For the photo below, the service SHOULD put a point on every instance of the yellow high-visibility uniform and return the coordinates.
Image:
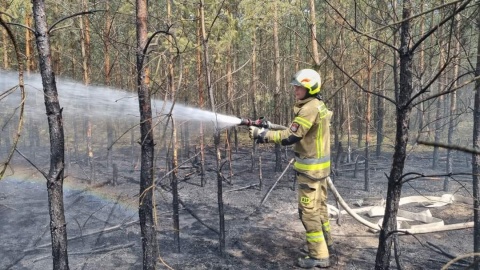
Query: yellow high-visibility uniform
(310, 129)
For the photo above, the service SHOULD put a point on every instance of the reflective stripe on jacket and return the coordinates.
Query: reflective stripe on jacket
(312, 125)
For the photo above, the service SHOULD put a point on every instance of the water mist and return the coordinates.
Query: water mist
(97, 102)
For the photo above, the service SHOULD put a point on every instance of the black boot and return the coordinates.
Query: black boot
(331, 250)
(308, 262)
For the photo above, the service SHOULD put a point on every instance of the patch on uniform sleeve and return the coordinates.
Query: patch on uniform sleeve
(294, 127)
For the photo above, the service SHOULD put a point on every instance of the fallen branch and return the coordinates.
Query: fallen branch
(93, 251)
(1, 204)
(109, 229)
(451, 147)
(191, 212)
(196, 217)
(440, 251)
(276, 182)
(461, 257)
(242, 188)
(463, 265)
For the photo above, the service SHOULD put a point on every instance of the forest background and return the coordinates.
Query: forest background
(394, 73)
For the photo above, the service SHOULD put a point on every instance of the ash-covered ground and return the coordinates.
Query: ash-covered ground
(104, 233)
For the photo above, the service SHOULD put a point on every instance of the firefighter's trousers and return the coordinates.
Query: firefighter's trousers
(313, 211)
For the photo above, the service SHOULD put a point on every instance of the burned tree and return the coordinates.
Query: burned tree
(146, 201)
(55, 176)
(404, 104)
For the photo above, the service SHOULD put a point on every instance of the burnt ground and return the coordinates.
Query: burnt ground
(104, 233)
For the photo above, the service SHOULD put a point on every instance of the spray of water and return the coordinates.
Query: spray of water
(99, 102)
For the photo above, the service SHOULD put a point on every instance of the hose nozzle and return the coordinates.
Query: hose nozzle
(245, 122)
(261, 122)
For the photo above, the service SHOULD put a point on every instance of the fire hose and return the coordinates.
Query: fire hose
(261, 123)
(435, 226)
(376, 227)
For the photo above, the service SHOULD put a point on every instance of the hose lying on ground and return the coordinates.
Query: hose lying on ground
(376, 227)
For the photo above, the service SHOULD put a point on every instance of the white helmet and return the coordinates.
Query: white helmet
(309, 79)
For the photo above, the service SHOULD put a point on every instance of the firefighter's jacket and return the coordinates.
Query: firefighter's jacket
(311, 131)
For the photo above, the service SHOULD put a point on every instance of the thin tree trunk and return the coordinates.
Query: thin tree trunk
(85, 49)
(313, 35)
(186, 134)
(28, 44)
(55, 177)
(453, 106)
(421, 67)
(5, 49)
(349, 128)
(230, 110)
(380, 112)
(174, 183)
(438, 125)
(107, 77)
(359, 124)
(254, 92)
(254, 75)
(476, 158)
(201, 102)
(276, 94)
(216, 136)
(338, 115)
(146, 199)
(440, 103)
(106, 44)
(368, 119)
(85, 44)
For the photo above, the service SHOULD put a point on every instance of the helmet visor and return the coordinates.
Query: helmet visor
(295, 82)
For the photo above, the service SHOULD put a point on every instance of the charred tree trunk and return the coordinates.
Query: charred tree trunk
(476, 158)
(216, 136)
(174, 182)
(55, 177)
(146, 199)
(403, 109)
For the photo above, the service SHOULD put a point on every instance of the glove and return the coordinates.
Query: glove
(257, 134)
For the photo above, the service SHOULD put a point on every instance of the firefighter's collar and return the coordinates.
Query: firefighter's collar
(303, 101)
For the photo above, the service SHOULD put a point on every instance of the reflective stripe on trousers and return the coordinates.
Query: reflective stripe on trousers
(314, 237)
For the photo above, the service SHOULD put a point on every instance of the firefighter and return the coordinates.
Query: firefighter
(310, 134)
